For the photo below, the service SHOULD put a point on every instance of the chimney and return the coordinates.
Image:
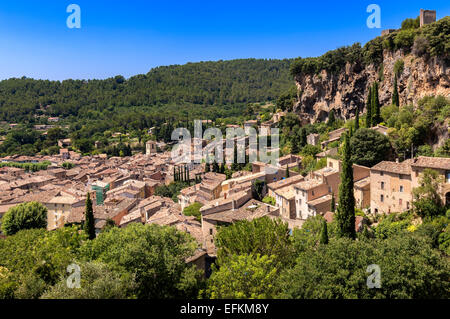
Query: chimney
(396, 160)
(233, 203)
(268, 208)
(225, 195)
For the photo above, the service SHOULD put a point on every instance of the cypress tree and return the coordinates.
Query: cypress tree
(303, 138)
(376, 112)
(215, 167)
(207, 168)
(333, 203)
(331, 118)
(186, 170)
(222, 168)
(395, 96)
(369, 109)
(89, 227)
(174, 174)
(345, 215)
(287, 171)
(357, 119)
(324, 233)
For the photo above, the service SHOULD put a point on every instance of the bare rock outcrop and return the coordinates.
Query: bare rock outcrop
(345, 92)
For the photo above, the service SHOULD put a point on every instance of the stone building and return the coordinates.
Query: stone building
(427, 17)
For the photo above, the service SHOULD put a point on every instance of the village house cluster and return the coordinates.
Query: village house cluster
(123, 190)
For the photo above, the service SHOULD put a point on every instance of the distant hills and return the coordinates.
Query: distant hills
(200, 84)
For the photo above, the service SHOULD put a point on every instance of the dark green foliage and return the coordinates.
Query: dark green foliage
(324, 233)
(369, 109)
(369, 147)
(331, 119)
(411, 23)
(427, 202)
(172, 190)
(332, 61)
(204, 83)
(257, 189)
(207, 167)
(89, 223)
(395, 96)
(264, 236)
(286, 100)
(333, 204)
(287, 172)
(410, 268)
(399, 66)
(376, 113)
(24, 216)
(345, 215)
(357, 119)
(193, 210)
(28, 167)
(153, 255)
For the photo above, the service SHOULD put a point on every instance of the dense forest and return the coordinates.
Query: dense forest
(192, 86)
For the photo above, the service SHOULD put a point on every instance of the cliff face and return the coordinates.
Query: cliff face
(344, 92)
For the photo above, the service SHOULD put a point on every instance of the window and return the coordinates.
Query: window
(329, 189)
(448, 176)
(401, 189)
(382, 185)
(407, 205)
(211, 231)
(382, 173)
(312, 193)
(381, 198)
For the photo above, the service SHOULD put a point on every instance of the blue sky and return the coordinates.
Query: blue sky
(131, 37)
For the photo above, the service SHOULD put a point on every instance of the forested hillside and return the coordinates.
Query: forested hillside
(194, 85)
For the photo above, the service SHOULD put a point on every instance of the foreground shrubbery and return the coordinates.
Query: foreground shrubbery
(137, 261)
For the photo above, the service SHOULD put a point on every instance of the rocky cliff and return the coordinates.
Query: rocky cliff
(318, 94)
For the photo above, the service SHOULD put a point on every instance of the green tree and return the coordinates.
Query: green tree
(155, 255)
(324, 233)
(331, 119)
(369, 147)
(376, 113)
(24, 216)
(426, 199)
(244, 277)
(333, 203)
(345, 215)
(89, 222)
(207, 167)
(369, 109)
(357, 119)
(98, 281)
(395, 96)
(287, 171)
(263, 236)
(193, 210)
(410, 268)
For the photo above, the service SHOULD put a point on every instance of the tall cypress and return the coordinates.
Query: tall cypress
(174, 174)
(187, 174)
(357, 119)
(369, 109)
(287, 171)
(345, 215)
(324, 233)
(207, 168)
(89, 227)
(333, 203)
(376, 112)
(395, 96)
(303, 138)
